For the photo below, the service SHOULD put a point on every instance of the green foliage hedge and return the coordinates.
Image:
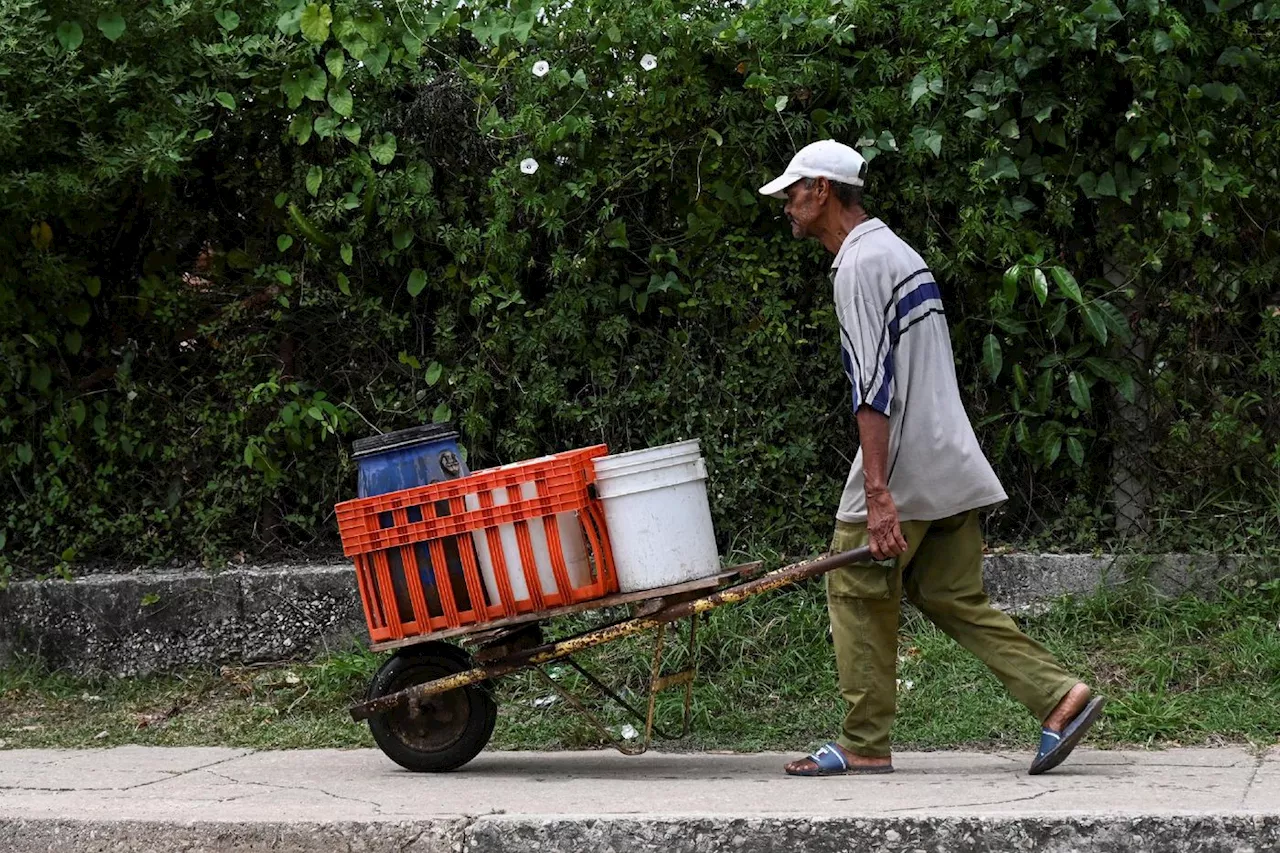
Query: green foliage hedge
(237, 235)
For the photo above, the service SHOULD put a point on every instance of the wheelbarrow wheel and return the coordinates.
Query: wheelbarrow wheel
(450, 729)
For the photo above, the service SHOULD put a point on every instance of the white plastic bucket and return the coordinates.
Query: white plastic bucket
(681, 450)
(658, 517)
(572, 543)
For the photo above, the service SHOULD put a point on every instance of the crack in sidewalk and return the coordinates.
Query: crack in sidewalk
(1253, 777)
(179, 774)
(936, 806)
(377, 807)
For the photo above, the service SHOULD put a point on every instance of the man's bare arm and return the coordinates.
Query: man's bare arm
(882, 515)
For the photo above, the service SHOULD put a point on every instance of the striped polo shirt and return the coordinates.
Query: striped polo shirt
(897, 354)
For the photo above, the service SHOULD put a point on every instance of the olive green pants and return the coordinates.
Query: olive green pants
(941, 573)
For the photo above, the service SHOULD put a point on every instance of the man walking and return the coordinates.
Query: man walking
(915, 487)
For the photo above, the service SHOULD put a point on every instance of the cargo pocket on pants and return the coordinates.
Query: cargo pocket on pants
(862, 580)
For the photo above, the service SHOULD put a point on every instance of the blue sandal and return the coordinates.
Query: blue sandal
(1055, 746)
(829, 760)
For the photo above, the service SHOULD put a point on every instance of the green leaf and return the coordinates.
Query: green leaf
(441, 414)
(1020, 378)
(326, 125)
(73, 341)
(1106, 185)
(284, 277)
(314, 176)
(434, 370)
(992, 357)
(340, 100)
(383, 148)
(226, 99)
(346, 253)
(580, 79)
(1161, 41)
(315, 21)
(402, 237)
(1095, 323)
(336, 61)
(919, 86)
(1104, 369)
(1075, 451)
(1039, 285)
(1172, 219)
(300, 127)
(1067, 284)
(1104, 10)
(93, 285)
(780, 103)
(344, 284)
(314, 81)
(933, 141)
(1079, 390)
(1011, 276)
(524, 25)
(289, 21)
(1052, 449)
(41, 375)
(202, 135)
(227, 19)
(1044, 390)
(78, 313)
(375, 59)
(417, 281)
(283, 242)
(70, 35)
(1128, 388)
(111, 25)
(1116, 322)
(351, 131)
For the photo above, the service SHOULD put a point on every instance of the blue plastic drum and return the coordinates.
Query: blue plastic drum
(418, 456)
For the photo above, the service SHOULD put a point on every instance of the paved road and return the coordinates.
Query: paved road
(64, 799)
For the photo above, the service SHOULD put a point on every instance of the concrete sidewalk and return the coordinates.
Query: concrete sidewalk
(155, 799)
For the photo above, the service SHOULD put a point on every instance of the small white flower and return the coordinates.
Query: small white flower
(562, 160)
(629, 732)
(648, 62)
(540, 68)
(529, 166)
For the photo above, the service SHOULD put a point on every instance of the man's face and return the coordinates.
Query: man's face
(804, 206)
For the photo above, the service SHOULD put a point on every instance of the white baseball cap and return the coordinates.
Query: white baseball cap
(828, 159)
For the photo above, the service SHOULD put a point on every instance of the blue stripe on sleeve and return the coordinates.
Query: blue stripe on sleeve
(922, 294)
(847, 360)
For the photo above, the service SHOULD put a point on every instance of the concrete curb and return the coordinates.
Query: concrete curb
(1083, 834)
(140, 622)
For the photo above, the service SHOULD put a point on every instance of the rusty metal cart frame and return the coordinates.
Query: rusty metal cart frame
(511, 645)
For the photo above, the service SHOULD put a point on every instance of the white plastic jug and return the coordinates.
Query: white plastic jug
(659, 519)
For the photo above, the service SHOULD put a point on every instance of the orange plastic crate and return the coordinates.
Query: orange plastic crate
(404, 543)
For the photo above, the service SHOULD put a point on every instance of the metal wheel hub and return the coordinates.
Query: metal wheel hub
(437, 723)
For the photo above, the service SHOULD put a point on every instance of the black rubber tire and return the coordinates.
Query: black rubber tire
(451, 730)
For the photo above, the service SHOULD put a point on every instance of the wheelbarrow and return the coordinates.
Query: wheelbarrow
(431, 706)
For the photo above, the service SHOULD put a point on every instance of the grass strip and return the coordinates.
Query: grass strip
(1180, 671)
